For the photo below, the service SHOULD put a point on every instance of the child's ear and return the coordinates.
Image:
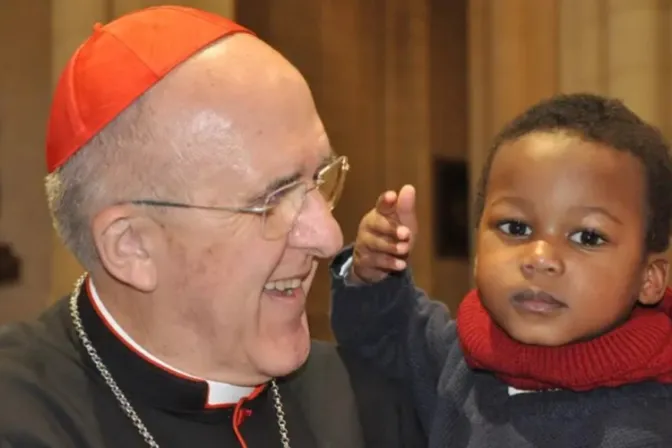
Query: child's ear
(655, 279)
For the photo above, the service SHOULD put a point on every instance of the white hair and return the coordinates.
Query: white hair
(113, 166)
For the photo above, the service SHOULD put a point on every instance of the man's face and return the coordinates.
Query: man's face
(561, 253)
(241, 290)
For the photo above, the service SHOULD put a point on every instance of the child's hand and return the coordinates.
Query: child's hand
(385, 237)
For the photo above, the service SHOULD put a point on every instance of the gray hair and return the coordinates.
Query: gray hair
(112, 167)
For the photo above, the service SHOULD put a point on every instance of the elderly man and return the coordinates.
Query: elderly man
(190, 174)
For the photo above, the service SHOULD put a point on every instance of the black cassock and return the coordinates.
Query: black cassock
(52, 396)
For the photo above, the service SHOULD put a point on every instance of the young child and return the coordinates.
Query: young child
(567, 340)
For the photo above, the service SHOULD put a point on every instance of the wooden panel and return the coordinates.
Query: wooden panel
(449, 118)
(639, 56)
(584, 56)
(223, 7)
(24, 95)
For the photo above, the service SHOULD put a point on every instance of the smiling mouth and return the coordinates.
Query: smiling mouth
(283, 287)
(288, 287)
(538, 302)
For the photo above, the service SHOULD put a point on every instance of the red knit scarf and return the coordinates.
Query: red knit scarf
(639, 350)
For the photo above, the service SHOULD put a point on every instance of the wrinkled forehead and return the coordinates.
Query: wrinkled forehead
(246, 110)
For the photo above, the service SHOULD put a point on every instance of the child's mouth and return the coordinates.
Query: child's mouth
(536, 301)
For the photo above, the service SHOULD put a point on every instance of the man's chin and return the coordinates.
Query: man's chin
(286, 357)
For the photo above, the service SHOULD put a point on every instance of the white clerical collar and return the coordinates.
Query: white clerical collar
(218, 393)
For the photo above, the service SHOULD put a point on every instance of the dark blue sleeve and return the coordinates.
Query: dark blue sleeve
(395, 326)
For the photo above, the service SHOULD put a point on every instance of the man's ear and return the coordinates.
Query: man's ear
(124, 241)
(655, 280)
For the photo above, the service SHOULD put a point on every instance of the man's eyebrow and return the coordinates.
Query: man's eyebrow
(275, 185)
(290, 179)
(324, 162)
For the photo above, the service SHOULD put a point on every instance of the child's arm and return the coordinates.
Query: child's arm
(392, 323)
(378, 313)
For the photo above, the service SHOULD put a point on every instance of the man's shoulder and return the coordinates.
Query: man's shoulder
(39, 370)
(23, 351)
(31, 346)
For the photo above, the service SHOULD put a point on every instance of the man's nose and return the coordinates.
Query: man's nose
(316, 229)
(541, 257)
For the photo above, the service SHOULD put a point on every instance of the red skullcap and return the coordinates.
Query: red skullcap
(120, 62)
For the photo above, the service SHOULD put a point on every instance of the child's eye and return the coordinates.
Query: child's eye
(515, 228)
(588, 238)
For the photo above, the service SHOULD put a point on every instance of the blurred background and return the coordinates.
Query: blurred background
(411, 91)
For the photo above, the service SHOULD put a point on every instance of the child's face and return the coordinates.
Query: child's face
(561, 253)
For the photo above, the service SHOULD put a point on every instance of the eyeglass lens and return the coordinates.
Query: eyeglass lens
(279, 220)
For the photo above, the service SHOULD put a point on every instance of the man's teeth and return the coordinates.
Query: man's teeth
(283, 285)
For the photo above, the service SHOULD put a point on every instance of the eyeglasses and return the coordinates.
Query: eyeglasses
(281, 208)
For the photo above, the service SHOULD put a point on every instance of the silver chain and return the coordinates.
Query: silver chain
(121, 398)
